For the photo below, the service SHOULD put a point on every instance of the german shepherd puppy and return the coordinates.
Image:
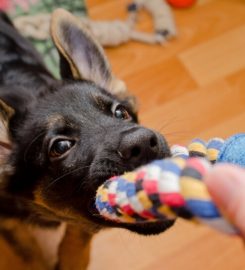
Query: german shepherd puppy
(60, 140)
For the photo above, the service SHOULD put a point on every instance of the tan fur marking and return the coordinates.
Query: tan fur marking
(6, 113)
(53, 119)
(75, 249)
(38, 198)
(49, 240)
(22, 252)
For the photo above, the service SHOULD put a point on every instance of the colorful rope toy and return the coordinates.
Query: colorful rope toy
(172, 187)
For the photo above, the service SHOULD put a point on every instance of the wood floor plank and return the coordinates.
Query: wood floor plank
(162, 82)
(237, 80)
(216, 58)
(227, 128)
(185, 246)
(195, 112)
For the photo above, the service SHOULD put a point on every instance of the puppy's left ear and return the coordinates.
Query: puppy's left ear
(6, 113)
(81, 55)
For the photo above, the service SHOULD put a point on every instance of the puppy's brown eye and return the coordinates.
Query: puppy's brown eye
(121, 113)
(60, 147)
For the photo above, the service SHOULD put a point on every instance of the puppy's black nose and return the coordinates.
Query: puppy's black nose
(140, 146)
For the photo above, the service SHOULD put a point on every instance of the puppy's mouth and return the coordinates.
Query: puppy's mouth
(106, 170)
(142, 227)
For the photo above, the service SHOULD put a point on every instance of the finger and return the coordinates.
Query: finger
(226, 184)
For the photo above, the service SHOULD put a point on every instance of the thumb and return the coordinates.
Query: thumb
(226, 184)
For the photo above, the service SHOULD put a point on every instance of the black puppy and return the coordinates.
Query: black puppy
(60, 140)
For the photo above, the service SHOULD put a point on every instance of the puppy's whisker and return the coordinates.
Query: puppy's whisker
(177, 133)
(64, 175)
(170, 121)
(118, 169)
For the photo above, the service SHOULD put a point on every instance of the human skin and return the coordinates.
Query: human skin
(226, 184)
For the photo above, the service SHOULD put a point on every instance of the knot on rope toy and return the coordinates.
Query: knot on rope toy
(172, 187)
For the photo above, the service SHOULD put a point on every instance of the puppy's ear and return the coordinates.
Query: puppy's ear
(6, 113)
(81, 55)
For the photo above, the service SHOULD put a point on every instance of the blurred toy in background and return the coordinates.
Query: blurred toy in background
(164, 24)
(116, 32)
(32, 19)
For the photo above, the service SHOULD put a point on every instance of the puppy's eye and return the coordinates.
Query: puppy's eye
(120, 112)
(60, 147)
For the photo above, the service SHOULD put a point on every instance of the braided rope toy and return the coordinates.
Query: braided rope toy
(172, 187)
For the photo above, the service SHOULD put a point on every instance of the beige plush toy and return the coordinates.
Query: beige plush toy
(112, 33)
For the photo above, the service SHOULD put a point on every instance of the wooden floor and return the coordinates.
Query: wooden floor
(194, 86)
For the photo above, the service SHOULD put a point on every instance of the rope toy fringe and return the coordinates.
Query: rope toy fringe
(171, 187)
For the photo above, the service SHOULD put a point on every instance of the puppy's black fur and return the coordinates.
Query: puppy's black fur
(67, 137)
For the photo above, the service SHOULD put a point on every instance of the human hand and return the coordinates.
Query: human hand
(226, 184)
